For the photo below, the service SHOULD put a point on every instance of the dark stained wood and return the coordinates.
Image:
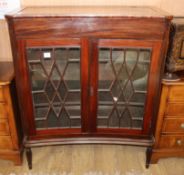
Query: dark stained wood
(164, 48)
(85, 83)
(23, 85)
(29, 157)
(88, 28)
(154, 76)
(148, 156)
(153, 87)
(62, 42)
(86, 22)
(93, 87)
(60, 132)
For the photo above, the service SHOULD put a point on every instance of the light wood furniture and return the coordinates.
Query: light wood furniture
(88, 72)
(10, 134)
(169, 135)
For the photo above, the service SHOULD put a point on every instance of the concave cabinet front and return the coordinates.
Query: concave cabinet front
(97, 78)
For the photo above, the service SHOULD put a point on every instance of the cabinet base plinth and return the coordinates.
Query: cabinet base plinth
(14, 156)
(153, 155)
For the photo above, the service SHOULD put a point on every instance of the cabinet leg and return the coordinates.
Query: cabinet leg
(29, 157)
(148, 156)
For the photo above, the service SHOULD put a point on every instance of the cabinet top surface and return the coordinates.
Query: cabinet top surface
(6, 72)
(92, 11)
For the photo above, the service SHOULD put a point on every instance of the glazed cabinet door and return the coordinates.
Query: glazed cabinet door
(54, 91)
(126, 86)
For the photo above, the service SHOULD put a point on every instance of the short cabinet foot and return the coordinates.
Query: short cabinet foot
(29, 157)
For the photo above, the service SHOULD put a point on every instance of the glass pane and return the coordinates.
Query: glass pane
(61, 59)
(64, 119)
(122, 87)
(125, 120)
(104, 111)
(34, 54)
(114, 119)
(55, 79)
(73, 97)
(62, 89)
(50, 91)
(41, 112)
(72, 76)
(105, 96)
(52, 119)
(47, 59)
(38, 76)
(74, 54)
(40, 98)
(136, 112)
(55, 76)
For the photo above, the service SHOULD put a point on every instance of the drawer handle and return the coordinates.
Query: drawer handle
(179, 142)
(182, 125)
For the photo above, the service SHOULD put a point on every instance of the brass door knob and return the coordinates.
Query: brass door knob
(179, 142)
(182, 125)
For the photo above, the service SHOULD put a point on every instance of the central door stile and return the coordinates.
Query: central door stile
(85, 55)
(93, 95)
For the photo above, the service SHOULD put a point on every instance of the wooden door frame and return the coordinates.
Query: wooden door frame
(23, 84)
(152, 86)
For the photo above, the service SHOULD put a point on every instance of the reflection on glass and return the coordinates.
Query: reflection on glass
(55, 79)
(122, 88)
(38, 77)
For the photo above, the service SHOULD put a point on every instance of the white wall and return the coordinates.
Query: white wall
(175, 7)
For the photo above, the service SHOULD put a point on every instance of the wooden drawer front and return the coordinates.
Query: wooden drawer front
(3, 113)
(173, 125)
(175, 109)
(6, 142)
(173, 141)
(4, 127)
(176, 93)
(1, 94)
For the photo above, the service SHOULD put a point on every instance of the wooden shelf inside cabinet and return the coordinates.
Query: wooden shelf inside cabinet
(10, 125)
(169, 135)
(88, 74)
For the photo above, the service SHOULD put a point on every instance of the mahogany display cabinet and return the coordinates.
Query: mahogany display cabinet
(88, 74)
